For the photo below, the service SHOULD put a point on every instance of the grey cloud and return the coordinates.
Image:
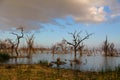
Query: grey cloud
(114, 6)
(26, 12)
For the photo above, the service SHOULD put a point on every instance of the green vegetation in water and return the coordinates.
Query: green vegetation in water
(4, 57)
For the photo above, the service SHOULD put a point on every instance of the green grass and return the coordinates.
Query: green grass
(41, 72)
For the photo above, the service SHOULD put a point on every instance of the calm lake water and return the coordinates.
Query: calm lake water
(88, 63)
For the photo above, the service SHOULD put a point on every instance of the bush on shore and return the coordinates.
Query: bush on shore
(4, 57)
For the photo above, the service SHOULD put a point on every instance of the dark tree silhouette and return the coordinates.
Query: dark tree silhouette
(112, 49)
(109, 48)
(105, 47)
(18, 39)
(77, 40)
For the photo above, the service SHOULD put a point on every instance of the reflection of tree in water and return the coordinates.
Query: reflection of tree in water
(78, 63)
(110, 63)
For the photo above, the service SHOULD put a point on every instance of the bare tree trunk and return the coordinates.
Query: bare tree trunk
(75, 51)
(18, 40)
(16, 49)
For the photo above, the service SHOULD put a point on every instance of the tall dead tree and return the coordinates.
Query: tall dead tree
(30, 43)
(108, 48)
(105, 47)
(77, 40)
(19, 36)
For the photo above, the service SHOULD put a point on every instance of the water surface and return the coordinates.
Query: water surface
(87, 63)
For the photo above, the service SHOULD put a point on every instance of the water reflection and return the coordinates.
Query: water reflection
(88, 63)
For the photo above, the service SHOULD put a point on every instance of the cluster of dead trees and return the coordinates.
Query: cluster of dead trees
(109, 48)
(60, 47)
(10, 46)
(7, 46)
(76, 44)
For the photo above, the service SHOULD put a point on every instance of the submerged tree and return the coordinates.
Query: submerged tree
(7, 45)
(77, 40)
(30, 43)
(80, 48)
(10, 45)
(62, 46)
(18, 39)
(2, 45)
(109, 48)
(105, 47)
(112, 49)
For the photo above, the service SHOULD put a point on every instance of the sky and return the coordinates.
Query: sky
(51, 20)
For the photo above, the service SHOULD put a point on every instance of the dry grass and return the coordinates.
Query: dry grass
(40, 72)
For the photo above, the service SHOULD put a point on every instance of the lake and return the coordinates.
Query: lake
(95, 62)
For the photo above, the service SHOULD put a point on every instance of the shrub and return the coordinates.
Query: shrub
(4, 57)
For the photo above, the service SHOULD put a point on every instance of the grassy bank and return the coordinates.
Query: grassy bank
(41, 72)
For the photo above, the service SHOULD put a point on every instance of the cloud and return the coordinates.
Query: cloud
(28, 12)
(114, 6)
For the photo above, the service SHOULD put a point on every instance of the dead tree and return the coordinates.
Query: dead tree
(112, 49)
(109, 48)
(30, 43)
(18, 39)
(62, 46)
(80, 48)
(105, 47)
(53, 48)
(77, 40)
(2, 46)
(10, 45)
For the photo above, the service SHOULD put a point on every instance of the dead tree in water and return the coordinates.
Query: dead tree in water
(53, 48)
(105, 47)
(18, 39)
(80, 48)
(10, 45)
(109, 48)
(77, 40)
(112, 49)
(30, 43)
(7, 46)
